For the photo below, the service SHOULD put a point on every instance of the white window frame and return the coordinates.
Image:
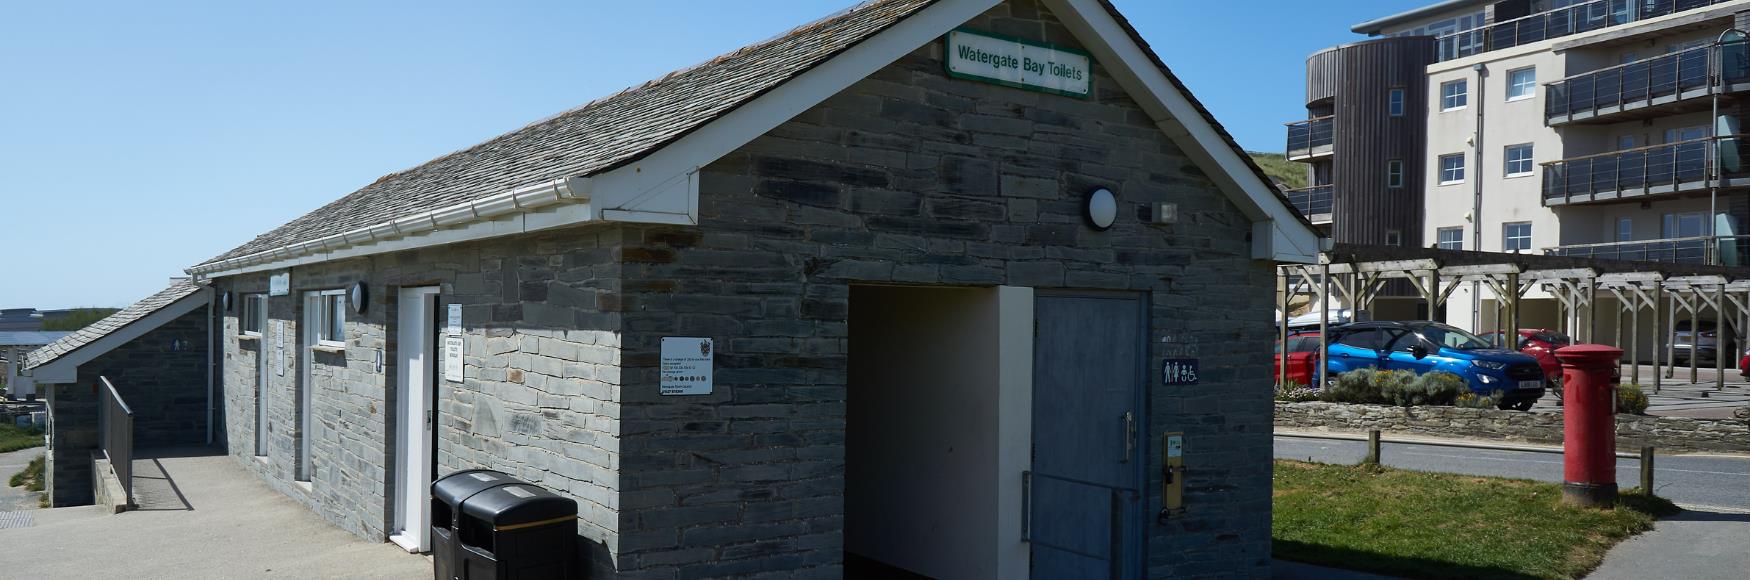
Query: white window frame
(1394, 173)
(1394, 102)
(1529, 161)
(330, 332)
(1462, 96)
(1621, 224)
(1442, 169)
(248, 315)
(1440, 240)
(1507, 237)
(1512, 85)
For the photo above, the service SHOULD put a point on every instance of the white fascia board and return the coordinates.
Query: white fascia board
(1288, 239)
(554, 204)
(519, 223)
(66, 368)
(629, 188)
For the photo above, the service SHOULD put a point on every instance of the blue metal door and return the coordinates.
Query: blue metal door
(1084, 506)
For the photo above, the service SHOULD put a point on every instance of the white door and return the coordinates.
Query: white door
(261, 366)
(306, 383)
(414, 356)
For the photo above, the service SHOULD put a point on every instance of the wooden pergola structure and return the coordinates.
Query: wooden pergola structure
(1355, 274)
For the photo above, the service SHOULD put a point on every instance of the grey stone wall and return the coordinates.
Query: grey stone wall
(911, 177)
(908, 177)
(72, 435)
(539, 400)
(1632, 431)
(162, 375)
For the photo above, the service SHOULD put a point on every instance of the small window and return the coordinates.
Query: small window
(1394, 238)
(1454, 95)
(1452, 169)
(1451, 238)
(1516, 237)
(1626, 142)
(254, 305)
(1394, 173)
(1518, 160)
(1521, 84)
(1395, 103)
(331, 318)
(1625, 229)
(1371, 339)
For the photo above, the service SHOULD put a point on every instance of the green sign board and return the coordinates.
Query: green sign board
(1018, 63)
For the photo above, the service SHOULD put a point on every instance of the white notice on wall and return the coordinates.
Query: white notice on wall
(453, 359)
(686, 366)
(454, 326)
(279, 347)
(279, 284)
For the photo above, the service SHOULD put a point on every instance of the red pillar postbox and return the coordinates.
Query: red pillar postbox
(1589, 423)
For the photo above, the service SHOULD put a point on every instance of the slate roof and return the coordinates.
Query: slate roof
(30, 337)
(624, 127)
(595, 137)
(97, 330)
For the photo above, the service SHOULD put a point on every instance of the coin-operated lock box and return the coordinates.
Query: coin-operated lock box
(1172, 475)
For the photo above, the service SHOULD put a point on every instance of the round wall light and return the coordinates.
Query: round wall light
(1102, 208)
(225, 301)
(358, 296)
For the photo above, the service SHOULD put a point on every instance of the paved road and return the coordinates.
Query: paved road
(1678, 397)
(1703, 480)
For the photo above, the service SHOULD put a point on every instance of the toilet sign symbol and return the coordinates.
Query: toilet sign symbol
(1179, 371)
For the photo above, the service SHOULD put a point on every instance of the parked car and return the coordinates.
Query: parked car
(1540, 343)
(1744, 365)
(1422, 347)
(1708, 346)
(1303, 358)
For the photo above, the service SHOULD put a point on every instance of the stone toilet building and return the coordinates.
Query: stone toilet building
(914, 272)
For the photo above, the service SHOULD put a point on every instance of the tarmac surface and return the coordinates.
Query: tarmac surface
(17, 499)
(201, 516)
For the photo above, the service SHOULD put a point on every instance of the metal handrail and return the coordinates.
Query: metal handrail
(1304, 136)
(1625, 65)
(1557, 23)
(1311, 120)
(116, 434)
(1686, 250)
(1670, 164)
(1636, 149)
(1668, 75)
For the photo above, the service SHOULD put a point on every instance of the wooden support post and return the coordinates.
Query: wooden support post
(1721, 327)
(1373, 456)
(1433, 295)
(1283, 284)
(1634, 338)
(1647, 471)
(1694, 335)
(1324, 324)
(1513, 291)
(1659, 335)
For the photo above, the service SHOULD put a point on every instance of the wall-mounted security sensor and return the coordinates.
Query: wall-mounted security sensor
(1102, 208)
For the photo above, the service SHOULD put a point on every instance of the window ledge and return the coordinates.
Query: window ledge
(262, 459)
(1459, 182)
(329, 348)
(305, 485)
(1453, 109)
(1518, 175)
(248, 337)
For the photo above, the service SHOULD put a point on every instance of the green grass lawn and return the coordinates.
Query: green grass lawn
(13, 438)
(1431, 525)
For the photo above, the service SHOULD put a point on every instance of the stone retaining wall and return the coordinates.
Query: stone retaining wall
(1632, 431)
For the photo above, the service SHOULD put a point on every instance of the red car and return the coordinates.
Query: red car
(1744, 366)
(1541, 344)
(1303, 357)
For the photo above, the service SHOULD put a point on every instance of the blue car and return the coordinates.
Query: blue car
(1422, 347)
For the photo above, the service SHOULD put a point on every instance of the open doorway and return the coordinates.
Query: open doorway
(937, 431)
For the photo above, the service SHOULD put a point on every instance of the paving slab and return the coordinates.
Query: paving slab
(1699, 544)
(205, 517)
(15, 499)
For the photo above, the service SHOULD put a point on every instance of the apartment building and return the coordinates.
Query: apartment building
(1603, 128)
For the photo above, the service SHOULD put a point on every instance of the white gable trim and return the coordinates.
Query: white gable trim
(65, 368)
(1277, 233)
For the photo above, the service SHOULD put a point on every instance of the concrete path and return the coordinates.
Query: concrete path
(1696, 544)
(205, 518)
(13, 499)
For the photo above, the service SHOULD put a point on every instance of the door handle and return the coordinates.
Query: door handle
(1129, 436)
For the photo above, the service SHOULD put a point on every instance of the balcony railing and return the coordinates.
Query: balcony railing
(1649, 82)
(1309, 138)
(1642, 171)
(1564, 21)
(1701, 250)
(1313, 202)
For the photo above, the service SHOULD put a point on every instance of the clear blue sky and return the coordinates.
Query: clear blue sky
(139, 138)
